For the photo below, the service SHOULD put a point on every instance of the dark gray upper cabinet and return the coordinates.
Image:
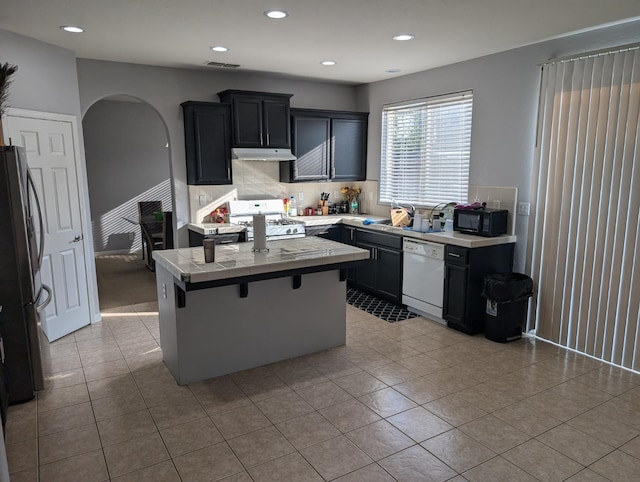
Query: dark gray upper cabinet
(312, 148)
(349, 148)
(329, 145)
(207, 136)
(260, 119)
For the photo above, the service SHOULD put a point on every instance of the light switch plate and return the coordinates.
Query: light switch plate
(524, 209)
(202, 199)
(300, 195)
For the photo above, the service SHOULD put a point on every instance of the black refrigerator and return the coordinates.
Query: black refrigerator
(22, 294)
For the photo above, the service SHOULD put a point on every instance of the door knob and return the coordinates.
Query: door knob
(77, 239)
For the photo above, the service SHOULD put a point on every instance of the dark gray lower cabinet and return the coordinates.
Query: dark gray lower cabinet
(381, 274)
(349, 237)
(326, 231)
(465, 270)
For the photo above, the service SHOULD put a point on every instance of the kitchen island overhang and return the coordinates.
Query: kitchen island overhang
(248, 309)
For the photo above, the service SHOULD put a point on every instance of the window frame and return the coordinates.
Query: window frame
(429, 147)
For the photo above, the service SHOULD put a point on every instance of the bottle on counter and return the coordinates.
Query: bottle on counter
(293, 208)
(353, 209)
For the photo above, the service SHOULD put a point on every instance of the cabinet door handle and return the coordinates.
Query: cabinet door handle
(455, 255)
(261, 141)
(268, 139)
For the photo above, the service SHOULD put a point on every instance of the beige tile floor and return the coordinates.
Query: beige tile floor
(410, 401)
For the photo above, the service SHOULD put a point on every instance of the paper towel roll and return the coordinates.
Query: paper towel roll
(259, 232)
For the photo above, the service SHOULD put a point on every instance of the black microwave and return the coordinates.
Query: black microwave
(482, 222)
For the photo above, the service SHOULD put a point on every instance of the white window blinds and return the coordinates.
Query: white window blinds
(425, 150)
(585, 254)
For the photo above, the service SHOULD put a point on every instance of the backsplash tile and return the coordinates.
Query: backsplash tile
(256, 179)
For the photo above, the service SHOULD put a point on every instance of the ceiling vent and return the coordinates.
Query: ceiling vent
(221, 65)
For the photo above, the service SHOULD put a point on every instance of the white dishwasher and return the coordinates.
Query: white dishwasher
(423, 278)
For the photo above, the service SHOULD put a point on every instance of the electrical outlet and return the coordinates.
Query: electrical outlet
(164, 291)
(132, 236)
(300, 195)
(496, 204)
(524, 208)
(202, 199)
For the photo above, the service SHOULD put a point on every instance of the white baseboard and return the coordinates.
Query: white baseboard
(117, 251)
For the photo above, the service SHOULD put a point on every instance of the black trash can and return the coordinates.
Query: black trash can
(507, 297)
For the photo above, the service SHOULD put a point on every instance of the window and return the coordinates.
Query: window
(425, 150)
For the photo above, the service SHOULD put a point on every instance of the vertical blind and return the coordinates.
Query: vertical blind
(425, 150)
(585, 249)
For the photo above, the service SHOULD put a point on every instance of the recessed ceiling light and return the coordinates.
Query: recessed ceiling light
(404, 36)
(72, 28)
(219, 48)
(328, 62)
(392, 71)
(276, 14)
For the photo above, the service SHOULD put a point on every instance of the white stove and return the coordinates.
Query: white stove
(278, 226)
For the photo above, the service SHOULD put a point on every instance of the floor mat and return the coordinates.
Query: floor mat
(375, 306)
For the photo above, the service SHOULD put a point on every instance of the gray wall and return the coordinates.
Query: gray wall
(165, 88)
(47, 81)
(127, 161)
(506, 89)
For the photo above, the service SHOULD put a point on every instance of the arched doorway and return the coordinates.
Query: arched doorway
(127, 157)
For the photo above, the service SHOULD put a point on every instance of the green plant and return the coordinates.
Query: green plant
(6, 71)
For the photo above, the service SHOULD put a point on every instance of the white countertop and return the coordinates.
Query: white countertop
(208, 229)
(237, 259)
(455, 238)
(336, 219)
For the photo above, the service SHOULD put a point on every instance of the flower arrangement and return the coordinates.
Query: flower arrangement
(6, 71)
(350, 193)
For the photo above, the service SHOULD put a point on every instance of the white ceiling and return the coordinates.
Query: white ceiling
(355, 33)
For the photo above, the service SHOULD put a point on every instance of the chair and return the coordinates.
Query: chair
(167, 230)
(150, 235)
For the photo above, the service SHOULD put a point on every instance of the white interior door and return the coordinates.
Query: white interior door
(52, 159)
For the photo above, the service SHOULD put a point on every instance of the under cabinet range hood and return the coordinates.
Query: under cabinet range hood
(262, 154)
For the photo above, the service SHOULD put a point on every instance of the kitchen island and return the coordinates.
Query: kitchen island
(248, 309)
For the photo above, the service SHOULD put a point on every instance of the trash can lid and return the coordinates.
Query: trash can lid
(507, 287)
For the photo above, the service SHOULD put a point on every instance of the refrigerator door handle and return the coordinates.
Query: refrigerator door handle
(40, 221)
(45, 303)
